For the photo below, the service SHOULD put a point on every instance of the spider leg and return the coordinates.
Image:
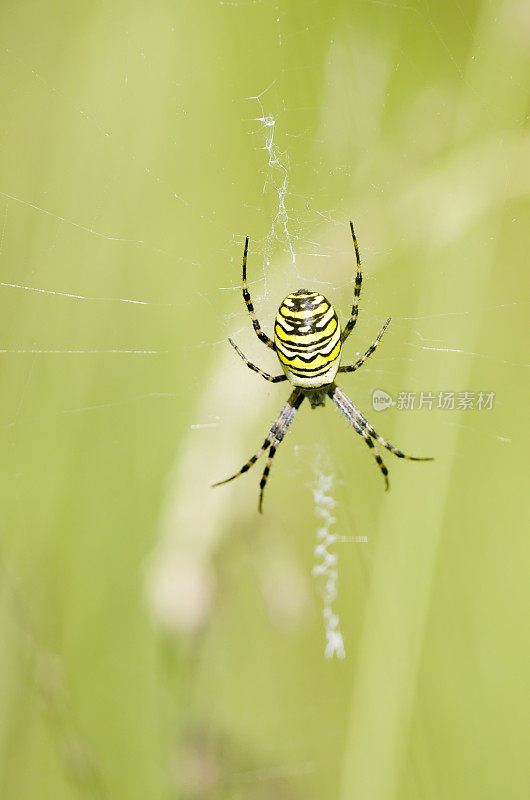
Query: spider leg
(254, 368)
(396, 451)
(362, 431)
(296, 399)
(360, 362)
(274, 437)
(248, 302)
(357, 291)
(353, 414)
(252, 460)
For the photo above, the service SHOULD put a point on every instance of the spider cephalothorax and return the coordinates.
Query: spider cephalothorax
(308, 342)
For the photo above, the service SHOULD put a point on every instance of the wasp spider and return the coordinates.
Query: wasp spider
(308, 342)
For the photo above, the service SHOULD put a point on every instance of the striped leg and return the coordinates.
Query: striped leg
(357, 291)
(399, 453)
(275, 435)
(352, 413)
(296, 400)
(352, 419)
(248, 302)
(265, 446)
(360, 362)
(254, 368)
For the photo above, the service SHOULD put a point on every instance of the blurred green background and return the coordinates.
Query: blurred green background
(159, 638)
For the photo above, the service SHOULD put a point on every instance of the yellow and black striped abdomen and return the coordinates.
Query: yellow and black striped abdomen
(307, 338)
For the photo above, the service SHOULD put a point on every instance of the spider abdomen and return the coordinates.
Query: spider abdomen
(308, 339)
